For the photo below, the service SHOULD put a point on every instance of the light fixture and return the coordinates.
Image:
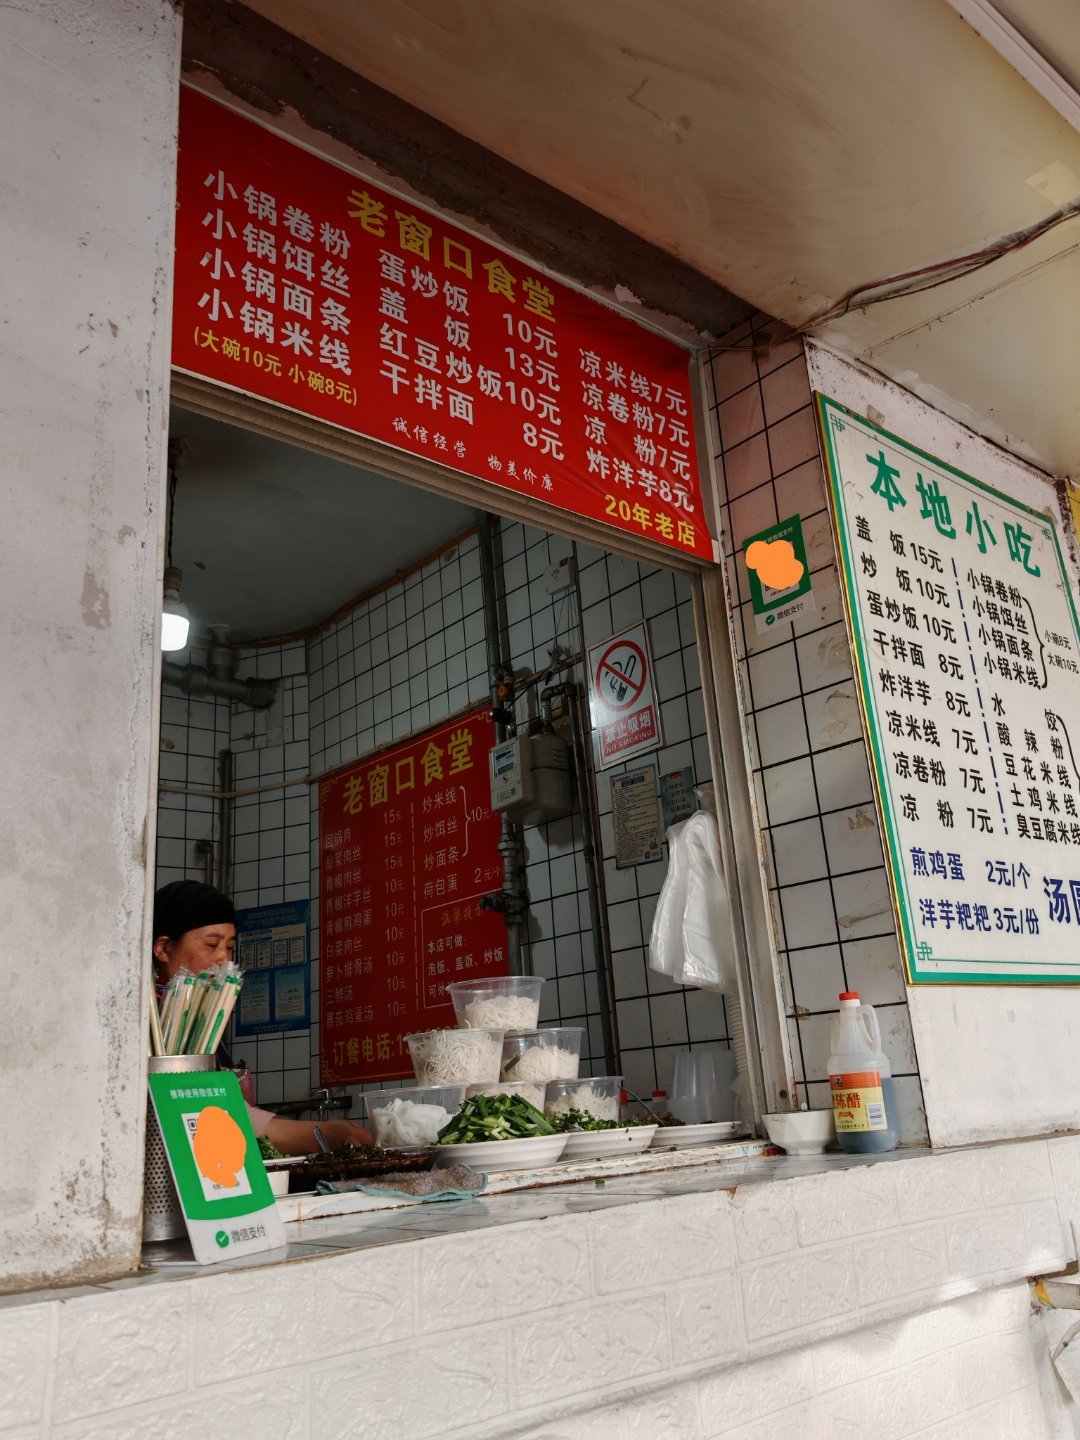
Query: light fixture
(175, 621)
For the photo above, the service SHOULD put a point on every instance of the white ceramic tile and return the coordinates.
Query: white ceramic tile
(785, 390)
(817, 977)
(824, 657)
(789, 791)
(875, 970)
(751, 513)
(732, 370)
(624, 925)
(739, 417)
(799, 852)
(808, 914)
(668, 1014)
(843, 777)
(706, 1016)
(793, 440)
(781, 732)
(863, 903)
(852, 840)
(746, 470)
(635, 1028)
(832, 715)
(774, 676)
(814, 1033)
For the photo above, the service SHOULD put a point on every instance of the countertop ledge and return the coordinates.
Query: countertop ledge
(370, 1222)
(631, 1286)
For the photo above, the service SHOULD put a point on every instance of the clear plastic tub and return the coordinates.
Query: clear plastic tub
(455, 1057)
(597, 1095)
(404, 1118)
(510, 1003)
(531, 1090)
(544, 1055)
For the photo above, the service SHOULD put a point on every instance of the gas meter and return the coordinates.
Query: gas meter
(530, 779)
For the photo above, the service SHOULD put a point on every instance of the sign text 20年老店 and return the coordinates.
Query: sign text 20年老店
(968, 657)
(299, 282)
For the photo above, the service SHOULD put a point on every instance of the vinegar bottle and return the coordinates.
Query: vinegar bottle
(860, 1079)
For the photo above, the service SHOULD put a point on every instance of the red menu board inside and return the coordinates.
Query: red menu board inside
(408, 844)
(300, 283)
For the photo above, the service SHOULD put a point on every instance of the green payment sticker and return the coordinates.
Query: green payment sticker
(779, 575)
(216, 1164)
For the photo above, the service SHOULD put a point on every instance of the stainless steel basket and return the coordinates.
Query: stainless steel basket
(162, 1217)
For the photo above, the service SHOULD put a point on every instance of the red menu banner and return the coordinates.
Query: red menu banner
(408, 844)
(298, 282)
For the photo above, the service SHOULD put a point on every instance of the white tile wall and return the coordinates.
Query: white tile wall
(193, 732)
(653, 1018)
(829, 892)
(271, 838)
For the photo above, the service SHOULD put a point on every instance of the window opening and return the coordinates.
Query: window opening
(337, 613)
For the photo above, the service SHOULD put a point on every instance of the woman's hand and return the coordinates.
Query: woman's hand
(297, 1137)
(338, 1133)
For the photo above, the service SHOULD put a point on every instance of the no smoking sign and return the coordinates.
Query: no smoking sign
(624, 709)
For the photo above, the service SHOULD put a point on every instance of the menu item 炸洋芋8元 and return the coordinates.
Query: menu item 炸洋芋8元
(968, 659)
(408, 845)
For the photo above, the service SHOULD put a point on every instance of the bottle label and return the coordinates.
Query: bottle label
(858, 1102)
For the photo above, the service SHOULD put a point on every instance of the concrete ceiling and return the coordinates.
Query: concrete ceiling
(789, 149)
(272, 539)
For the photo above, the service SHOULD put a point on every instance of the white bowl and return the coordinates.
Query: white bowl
(602, 1144)
(535, 1152)
(801, 1132)
(279, 1182)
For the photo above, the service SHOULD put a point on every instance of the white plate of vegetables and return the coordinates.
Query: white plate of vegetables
(602, 1143)
(499, 1132)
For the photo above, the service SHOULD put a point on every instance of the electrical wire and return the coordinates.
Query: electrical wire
(941, 272)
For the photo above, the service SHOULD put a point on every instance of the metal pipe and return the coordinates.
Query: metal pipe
(197, 681)
(571, 692)
(205, 848)
(226, 780)
(512, 900)
(492, 629)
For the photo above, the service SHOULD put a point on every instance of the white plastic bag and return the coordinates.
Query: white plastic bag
(665, 942)
(691, 927)
(706, 915)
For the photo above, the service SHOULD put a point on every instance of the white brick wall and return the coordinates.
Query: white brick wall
(885, 1300)
(964, 1371)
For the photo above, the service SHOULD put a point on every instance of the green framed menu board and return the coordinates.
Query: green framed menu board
(967, 659)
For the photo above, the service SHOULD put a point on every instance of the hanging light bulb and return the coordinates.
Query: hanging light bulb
(175, 621)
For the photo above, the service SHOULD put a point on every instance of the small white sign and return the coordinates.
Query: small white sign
(625, 714)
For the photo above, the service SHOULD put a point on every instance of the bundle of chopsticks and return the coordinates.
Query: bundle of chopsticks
(194, 1010)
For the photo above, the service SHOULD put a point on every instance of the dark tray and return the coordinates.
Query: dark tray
(355, 1166)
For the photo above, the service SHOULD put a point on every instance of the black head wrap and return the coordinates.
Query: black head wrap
(189, 905)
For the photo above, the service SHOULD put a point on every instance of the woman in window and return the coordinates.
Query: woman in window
(195, 928)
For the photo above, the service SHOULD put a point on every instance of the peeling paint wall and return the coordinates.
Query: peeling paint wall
(87, 150)
(996, 1061)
